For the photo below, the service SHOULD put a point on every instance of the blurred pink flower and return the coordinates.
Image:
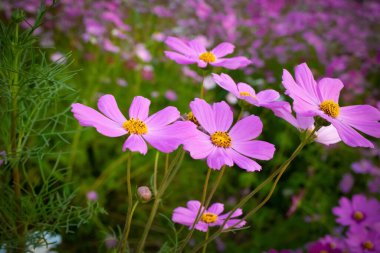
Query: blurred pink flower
(190, 52)
(210, 217)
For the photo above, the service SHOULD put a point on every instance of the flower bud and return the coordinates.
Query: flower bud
(144, 193)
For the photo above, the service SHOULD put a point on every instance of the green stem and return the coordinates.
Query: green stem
(205, 246)
(123, 242)
(278, 172)
(155, 173)
(190, 234)
(171, 172)
(216, 184)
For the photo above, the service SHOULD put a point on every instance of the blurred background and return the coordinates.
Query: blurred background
(116, 47)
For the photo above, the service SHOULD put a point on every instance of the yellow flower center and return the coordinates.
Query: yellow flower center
(245, 94)
(368, 245)
(192, 118)
(209, 217)
(221, 139)
(358, 216)
(330, 108)
(323, 251)
(135, 126)
(207, 57)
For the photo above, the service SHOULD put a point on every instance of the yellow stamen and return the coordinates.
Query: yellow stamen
(221, 139)
(209, 217)
(330, 108)
(207, 57)
(192, 118)
(368, 245)
(245, 94)
(358, 216)
(135, 126)
(323, 251)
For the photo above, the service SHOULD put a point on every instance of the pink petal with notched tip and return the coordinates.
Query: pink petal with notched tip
(246, 129)
(329, 89)
(223, 116)
(135, 143)
(204, 113)
(223, 49)
(179, 58)
(90, 117)
(139, 108)
(217, 158)
(243, 162)
(261, 150)
(108, 106)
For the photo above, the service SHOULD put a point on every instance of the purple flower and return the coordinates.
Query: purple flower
(358, 212)
(361, 240)
(321, 99)
(156, 129)
(365, 167)
(346, 183)
(171, 95)
(190, 52)
(223, 145)
(210, 217)
(319, 247)
(92, 195)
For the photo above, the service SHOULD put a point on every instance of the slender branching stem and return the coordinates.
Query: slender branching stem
(198, 217)
(128, 219)
(279, 172)
(168, 178)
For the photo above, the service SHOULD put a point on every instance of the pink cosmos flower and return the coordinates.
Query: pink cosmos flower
(210, 217)
(318, 247)
(326, 135)
(361, 240)
(321, 99)
(190, 52)
(266, 98)
(156, 129)
(223, 145)
(358, 212)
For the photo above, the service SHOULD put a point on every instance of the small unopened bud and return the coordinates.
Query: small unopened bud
(18, 16)
(144, 193)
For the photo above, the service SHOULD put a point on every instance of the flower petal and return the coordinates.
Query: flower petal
(179, 45)
(244, 162)
(135, 143)
(139, 108)
(267, 96)
(246, 129)
(327, 135)
(166, 139)
(162, 118)
(108, 106)
(365, 118)
(216, 208)
(223, 49)
(193, 205)
(329, 89)
(219, 157)
(179, 58)
(199, 146)
(223, 116)
(90, 117)
(303, 101)
(204, 113)
(227, 83)
(256, 149)
(232, 63)
(237, 213)
(349, 135)
(305, 79)
(197, 46)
